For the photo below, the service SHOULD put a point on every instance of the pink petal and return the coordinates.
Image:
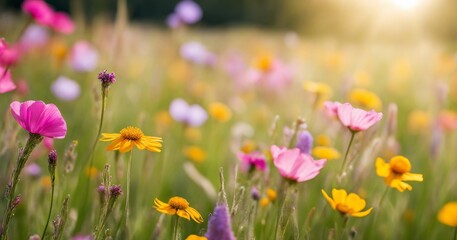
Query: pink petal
(6, 84)
(344, 112)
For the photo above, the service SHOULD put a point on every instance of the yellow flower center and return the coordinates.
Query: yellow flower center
(132, 133)
(178, 203)
(400, 165)
(342, 208)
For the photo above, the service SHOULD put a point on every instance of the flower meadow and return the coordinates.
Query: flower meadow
(120, 130)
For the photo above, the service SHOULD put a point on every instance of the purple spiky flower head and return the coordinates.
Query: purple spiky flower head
(304, 142)
(219, 225)
(106, 78)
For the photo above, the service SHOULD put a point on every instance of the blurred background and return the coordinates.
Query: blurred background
(392, 20)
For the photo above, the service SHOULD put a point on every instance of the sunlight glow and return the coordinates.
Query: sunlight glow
(407, 4)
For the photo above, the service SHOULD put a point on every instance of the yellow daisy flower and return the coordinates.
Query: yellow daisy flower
(448, 214)
(328, 153)
(178, 206)
(396, 172)
(351, 204)
(129, 137)
(195, 237)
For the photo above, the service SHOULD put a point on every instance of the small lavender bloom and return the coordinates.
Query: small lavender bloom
(33, 170)
(106, 78)
(65, 89)
(255, 194)
(115, 190)
(83, 57)
(52, 157)
(192, 115)
(188, 11)
(304, 142)
(173, 21)
(101, 189)
(219, 225)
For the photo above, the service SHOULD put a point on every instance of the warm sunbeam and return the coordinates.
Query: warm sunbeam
(407, 4)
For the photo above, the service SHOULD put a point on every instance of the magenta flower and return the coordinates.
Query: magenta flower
(251, 161)
(355, 119)
(40, 11)
(295, 166)
(39, 118)
(192, 115)
(3, 45)
(10, 55)
(62, 23)
(6, 84)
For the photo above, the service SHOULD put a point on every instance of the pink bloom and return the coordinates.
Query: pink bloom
(6, 84)
(83, 57)
(188, 11)
(357, 119)
(62, 23)
(331, 108)
(294, 165)
(10, 55)
(48, 143)
(39, 118)
(34, 36)
(251, 161)
(3, 45)
(40, 11)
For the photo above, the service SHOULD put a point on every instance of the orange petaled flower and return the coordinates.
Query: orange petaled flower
(351, 204)
(129, 137)
(396, 172)
(195, 237)
(448, 214)
(178, 206)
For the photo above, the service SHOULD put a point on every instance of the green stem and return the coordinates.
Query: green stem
(176, 229)
(455, 234)
(24, 153)
(383, 196)
(282, 199)
(50, 209)
(125, 215)
(347, 152)
(343, 228)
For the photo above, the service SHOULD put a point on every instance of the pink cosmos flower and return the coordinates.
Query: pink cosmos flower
(62, 23)
(353, 118)
(40, 11)
(10, 55)
(331, 108)
(6, 84)
(294, 165)
(251, 161)
(39, 118)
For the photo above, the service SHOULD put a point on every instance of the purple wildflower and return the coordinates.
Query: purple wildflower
(304, 142)
(219, 225)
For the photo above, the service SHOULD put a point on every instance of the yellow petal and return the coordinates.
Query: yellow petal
(159, 203)
(339, 195)
(114, 145)
(362, 214)
(399, 185)
(329, 200)
(126, 146)
(382, 168)
(106, 137)
(412, 177)
(194, 214)
(183, 214)
(355, 202)
(139, 144)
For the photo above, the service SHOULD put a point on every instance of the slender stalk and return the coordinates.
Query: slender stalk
(24, 153)
(383, 196)
(125, 215)
(176, 229)
(50, 210)
(455, 234)
(347, 152)
(343, 228)
(127, 198)
(282, 199)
